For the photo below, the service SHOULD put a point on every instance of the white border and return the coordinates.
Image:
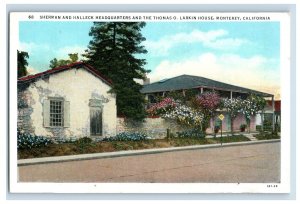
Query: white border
(283, 187)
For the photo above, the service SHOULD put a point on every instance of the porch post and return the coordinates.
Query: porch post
(201, 90)
(230, 94)
(273, 114)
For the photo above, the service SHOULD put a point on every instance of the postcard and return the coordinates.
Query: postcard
(149, 102)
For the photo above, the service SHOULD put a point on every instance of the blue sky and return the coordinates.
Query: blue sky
(241, 53)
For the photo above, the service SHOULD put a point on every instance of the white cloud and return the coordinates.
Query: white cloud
(254, 72)
(216, 39)
(33, 47)
(225, 44)
(32, 71)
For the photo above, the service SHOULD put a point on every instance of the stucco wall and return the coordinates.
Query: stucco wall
(77, 86)
(153, 127)
(25, 102)
(157, 127)
(240, 119)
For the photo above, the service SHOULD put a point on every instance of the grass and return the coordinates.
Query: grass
(267, 136)
(98, 147)
(236, 138)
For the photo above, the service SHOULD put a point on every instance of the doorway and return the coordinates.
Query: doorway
(96, 121)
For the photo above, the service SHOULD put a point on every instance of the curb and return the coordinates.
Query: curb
(45, 160)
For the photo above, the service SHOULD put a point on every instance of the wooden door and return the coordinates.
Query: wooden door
(96, 121)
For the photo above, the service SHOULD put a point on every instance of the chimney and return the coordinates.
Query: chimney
(146, 81)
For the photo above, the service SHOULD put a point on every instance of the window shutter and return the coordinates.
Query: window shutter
(66, 113)
(46, 113)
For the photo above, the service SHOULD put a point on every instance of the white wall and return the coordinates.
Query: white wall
(77, 86)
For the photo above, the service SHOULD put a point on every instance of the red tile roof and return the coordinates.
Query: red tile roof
(88, 67)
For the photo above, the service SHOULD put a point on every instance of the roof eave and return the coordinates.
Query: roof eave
(77, 65)
(237, 91)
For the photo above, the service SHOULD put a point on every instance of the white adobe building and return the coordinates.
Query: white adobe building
(67, 101)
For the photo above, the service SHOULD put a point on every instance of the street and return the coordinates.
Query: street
(257, 163)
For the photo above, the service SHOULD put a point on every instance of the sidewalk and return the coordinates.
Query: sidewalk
(43, 160)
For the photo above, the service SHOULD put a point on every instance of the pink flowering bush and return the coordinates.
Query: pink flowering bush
(197, 114)
(166, 105)
(208, 101)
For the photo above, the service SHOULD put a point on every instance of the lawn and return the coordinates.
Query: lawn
(267, 136)
(111, 146)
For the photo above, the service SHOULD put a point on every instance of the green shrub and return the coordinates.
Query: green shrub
(267, 126)
(243, 127)
(267, 135)
(28, 141)
(127, 136)
(194, 133)
(267, 123)
(84, 143)
(236, 138)
(258, 127)
(277, 127)
(84, 140)
(217, 129)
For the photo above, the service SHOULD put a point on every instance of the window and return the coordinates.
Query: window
(56, 113)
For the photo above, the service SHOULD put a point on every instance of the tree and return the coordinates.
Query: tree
(232, 107)
(113, 50)
(22, 63)
(73, 57)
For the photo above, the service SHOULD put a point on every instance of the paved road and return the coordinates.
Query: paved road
(236, 164)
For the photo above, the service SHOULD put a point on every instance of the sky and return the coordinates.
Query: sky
(241, 53)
